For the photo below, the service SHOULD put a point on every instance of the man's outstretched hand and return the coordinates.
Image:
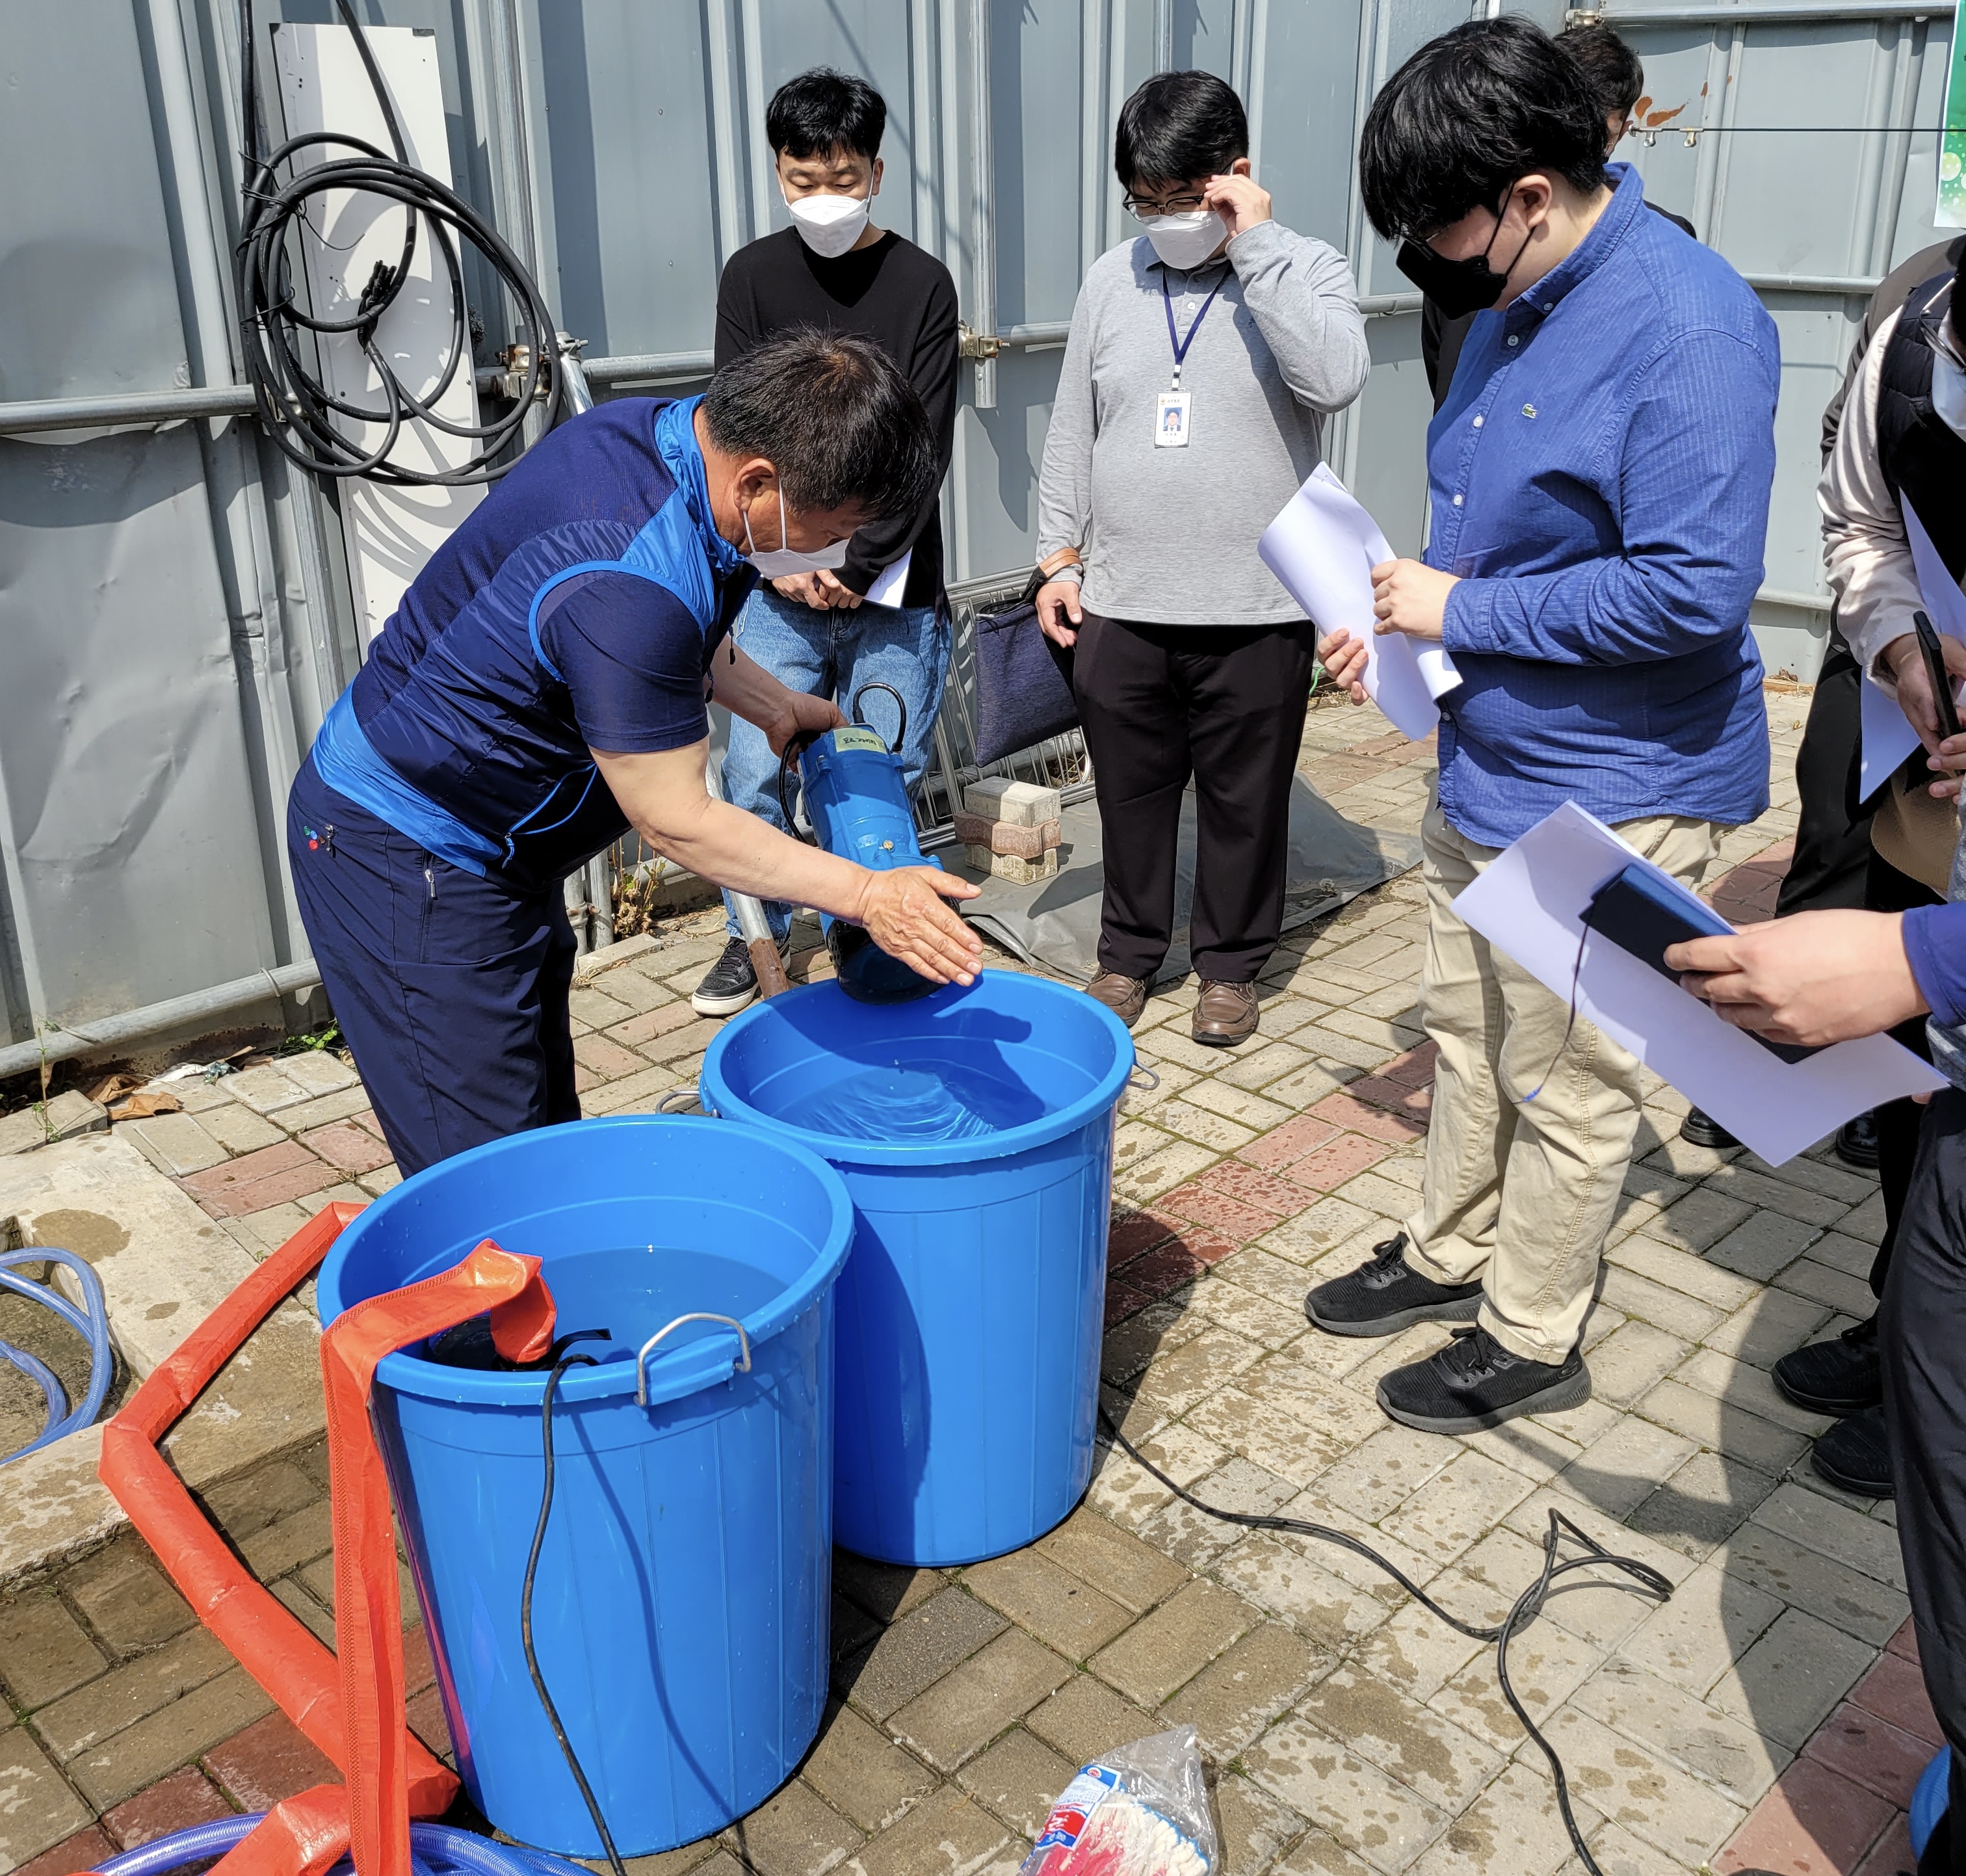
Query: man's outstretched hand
(903, 913)
(1813, 978)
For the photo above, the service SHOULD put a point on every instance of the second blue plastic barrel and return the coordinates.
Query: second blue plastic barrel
(970, 1312)
(681, 1607)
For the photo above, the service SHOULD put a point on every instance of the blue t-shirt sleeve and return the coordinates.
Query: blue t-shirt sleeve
(631, 656)
(1935, 942)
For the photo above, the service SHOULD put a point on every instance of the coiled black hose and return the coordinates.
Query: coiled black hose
(279, 337)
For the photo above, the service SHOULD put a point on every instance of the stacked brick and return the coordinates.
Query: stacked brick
(1010, 829)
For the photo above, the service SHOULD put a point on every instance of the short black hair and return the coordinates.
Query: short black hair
(822, 110)
(1610, 67)
(1177, 126)
(834, 416)
(1469, 114)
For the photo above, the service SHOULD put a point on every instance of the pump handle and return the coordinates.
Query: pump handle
(901, 735)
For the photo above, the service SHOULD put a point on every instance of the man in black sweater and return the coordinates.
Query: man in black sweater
(875, 611)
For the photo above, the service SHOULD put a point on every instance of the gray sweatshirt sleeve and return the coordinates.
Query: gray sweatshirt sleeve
(1064, 478)
(1306, 307)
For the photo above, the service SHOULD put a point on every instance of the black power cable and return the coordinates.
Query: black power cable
(1646, 1581)
(298, 409)
(562, 1363)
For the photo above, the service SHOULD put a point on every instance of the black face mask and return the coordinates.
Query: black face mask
(1458, 287)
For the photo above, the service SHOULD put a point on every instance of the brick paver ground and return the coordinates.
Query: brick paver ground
(1771, 1713)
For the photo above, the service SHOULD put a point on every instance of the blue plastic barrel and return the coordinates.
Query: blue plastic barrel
(974, 1129)
(680, 1609)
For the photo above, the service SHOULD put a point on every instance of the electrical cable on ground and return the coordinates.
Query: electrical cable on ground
(279, 337)
(561, 1362)
(90, 1320)
(1646, 1581)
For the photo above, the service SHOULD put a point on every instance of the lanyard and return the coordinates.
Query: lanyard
(1181, 345)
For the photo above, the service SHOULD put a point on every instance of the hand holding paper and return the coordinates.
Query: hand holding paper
(1887, 736)
(1323, 547)
(1530, 903)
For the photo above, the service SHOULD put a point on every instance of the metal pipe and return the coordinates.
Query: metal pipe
(1753, 15)
(136, 407)
(766, 964)
(154, 1019)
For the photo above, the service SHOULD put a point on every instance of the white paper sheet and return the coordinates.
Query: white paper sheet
(888, 588)
(1530, 903)
(1324, 547)
(1886, 735)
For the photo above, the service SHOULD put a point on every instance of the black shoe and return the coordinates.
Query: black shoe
(728, 985)
(1856, 1455)
(1840, 1376)
(1474, 1382)
(1857, 1142)
(1702, 1129)
(1387, 1295)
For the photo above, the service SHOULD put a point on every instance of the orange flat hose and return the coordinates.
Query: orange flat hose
(305, 1833)
(367, 1608)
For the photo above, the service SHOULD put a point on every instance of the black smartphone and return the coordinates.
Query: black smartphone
(1934, 669)
(1640, 915)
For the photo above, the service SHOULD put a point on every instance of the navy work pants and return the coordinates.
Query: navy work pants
(451, 990)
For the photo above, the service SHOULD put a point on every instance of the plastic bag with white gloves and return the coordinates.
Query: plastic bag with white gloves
(1141, 1811)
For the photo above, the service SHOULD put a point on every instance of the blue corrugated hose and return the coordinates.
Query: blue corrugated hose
(435, 1850)
(91, 1322)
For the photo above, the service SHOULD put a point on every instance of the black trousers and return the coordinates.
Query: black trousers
(1887, 890)
(1223, 704)
(1832, 836)
(1923, 1344)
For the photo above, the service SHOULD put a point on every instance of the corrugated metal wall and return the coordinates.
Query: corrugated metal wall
(172, 611)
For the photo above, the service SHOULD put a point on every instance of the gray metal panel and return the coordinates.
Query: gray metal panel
(128, 805)
(175, 620)
(89, 299)
(1810, 166)
(627, 113)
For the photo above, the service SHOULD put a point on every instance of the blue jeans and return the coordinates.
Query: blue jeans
(833, 654)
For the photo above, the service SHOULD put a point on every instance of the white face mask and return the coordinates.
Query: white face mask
(831, 225)
(1948, 391)
(779, 563)
(1185, 241)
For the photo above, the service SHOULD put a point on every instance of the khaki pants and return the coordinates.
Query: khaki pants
(1521, 1194)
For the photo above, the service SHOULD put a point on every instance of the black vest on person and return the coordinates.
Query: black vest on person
(1923, 458)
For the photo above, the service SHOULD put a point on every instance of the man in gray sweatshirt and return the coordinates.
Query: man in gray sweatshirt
(1203, 358)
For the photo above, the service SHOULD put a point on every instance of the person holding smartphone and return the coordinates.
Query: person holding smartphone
(1901, 444)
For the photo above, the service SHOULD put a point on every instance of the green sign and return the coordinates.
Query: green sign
(1950, 212)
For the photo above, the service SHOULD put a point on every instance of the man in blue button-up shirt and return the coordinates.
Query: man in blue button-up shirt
(1599, 475)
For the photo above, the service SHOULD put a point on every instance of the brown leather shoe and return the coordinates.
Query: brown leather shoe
(1225, 1014)
(1126, 997)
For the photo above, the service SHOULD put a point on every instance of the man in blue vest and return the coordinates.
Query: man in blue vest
(542, 688)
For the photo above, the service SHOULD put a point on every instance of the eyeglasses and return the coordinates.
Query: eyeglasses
(1146, 210)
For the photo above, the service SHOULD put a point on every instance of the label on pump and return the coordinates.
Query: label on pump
(859, 739)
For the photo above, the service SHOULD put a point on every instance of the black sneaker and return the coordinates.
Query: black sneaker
(1474, 1382)
(1387, 1295)
(1856, 1455)
(1702, 1129)
(1857, 1142)
(1840, 1376)
(728, 985)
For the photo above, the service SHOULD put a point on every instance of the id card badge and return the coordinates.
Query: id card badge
(1170, 420)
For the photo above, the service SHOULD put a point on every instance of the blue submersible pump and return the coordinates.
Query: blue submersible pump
(856, 806)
